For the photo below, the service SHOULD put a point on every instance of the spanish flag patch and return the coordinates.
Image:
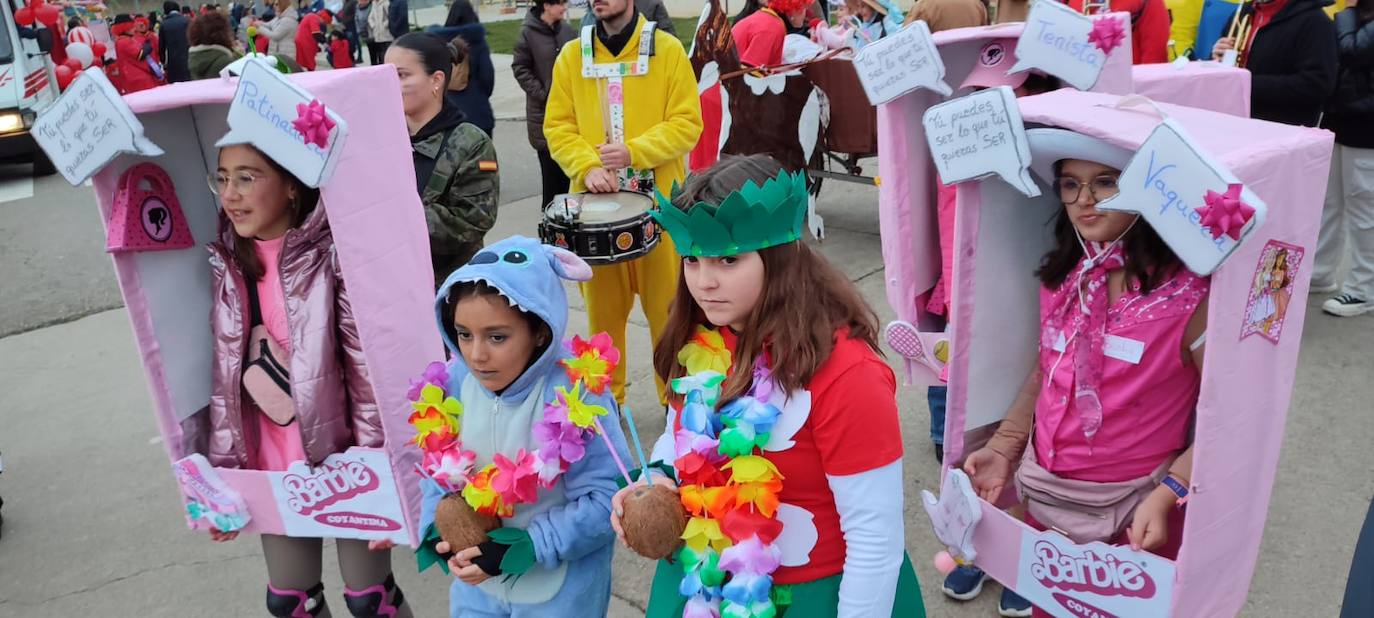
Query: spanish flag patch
(486, 166)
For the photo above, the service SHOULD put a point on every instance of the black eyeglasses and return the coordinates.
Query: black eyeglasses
(1101, 188)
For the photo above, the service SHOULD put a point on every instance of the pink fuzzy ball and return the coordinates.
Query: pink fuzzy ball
(944, 563)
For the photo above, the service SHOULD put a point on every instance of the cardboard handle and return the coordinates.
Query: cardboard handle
(1136, 100)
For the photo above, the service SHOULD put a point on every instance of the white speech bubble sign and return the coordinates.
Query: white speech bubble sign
(263, 113)
(901, 63)
(1166, 182)
(1055, 41)
(88, 126)
(979, 135)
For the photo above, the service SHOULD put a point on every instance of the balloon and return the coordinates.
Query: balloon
(97, 50)
(24, 16)
(73, 63)
(82, 53)
(65, 75)
(48, 14)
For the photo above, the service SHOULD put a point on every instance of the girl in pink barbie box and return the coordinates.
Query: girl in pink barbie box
(290, 383)
(1110, 402)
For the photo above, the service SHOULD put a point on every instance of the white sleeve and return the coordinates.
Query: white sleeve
(870, 508)
(664, 448)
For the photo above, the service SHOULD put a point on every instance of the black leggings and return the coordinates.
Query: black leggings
(555, 181)
(376, 52)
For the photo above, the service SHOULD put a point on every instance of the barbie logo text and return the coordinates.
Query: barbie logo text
(327, 485)
(1107, 576)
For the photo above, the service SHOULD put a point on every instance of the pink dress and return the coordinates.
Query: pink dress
(278, 446)
(1148, 394)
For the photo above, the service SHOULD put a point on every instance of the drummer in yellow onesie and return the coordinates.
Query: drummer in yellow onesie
(640, 80)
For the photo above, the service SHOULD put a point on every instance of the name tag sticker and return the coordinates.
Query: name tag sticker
(1123, 349)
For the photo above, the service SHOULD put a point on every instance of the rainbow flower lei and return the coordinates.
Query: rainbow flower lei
(727, 487)
(562, 435)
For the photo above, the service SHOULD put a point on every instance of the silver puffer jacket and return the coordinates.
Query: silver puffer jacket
(335, 406)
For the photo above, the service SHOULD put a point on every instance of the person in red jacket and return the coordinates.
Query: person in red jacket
(759, 37)
(310, 34)
(340, 56)
(131, 57)
(1149, 27)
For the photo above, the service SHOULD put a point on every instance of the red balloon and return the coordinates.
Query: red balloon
(65, 75)
(98, 49)
(49, 14)
(24, 16)
(73, 64)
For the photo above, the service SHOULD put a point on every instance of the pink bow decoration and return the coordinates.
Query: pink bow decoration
(1107, 33)
(1225, 213)
(313, 123)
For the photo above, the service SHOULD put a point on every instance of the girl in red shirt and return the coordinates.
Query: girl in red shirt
(783, 438)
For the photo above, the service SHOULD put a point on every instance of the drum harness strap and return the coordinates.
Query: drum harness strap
(610, 82)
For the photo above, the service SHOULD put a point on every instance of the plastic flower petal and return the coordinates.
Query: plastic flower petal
(685, 441)
(761, 609)
(751, 469)
(713, 502)
(708, 382)
(702, 533)
(751, 556)
(592, 362)
(516, 480)
(560, 440)
(580, 413)
(698, 417)
(763, 380)
(434, 412)
(436, 373)
(744, 523)
(1226, 213)
(450, 466)
(705, 351)
(705, 564)
(698, 607)
(481, 497)
(698, 469)
(762, 496)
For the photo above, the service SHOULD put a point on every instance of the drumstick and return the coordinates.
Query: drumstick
(605, 110)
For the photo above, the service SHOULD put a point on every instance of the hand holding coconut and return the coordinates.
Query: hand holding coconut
(649, 518)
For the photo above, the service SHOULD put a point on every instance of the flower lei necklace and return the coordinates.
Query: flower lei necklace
(562, 434)
(728, 488)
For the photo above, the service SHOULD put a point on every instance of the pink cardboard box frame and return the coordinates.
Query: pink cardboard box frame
(380, 237)
(906, 192)
(1247, 381)
(1204, 85)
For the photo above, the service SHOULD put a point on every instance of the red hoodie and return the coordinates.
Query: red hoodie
(340, 56)
(306, 45)
(1149, 28)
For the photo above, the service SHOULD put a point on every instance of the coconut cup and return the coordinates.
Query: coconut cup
(653, 521)
(459, 525)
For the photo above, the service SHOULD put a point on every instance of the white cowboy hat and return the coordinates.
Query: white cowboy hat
(1049, 146)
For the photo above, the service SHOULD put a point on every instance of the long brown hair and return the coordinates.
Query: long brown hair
(301, 207)
(804, 301)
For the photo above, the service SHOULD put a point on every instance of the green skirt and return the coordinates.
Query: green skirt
(813, 599)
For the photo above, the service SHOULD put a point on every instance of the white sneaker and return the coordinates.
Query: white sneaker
(1347, 306)
(1323, 288)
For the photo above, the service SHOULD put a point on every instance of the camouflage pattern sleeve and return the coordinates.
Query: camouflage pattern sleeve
(463, 192)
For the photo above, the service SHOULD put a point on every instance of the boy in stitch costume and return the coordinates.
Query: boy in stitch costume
(553, 556)
(783, 431)
(623, 111)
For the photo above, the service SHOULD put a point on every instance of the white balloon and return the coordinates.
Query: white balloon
(82, 52)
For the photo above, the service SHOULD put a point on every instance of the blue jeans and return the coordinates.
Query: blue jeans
(935, 398)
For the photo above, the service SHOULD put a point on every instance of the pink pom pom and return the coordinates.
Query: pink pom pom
(944, 563)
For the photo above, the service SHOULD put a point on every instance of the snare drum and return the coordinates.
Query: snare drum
(601, 228)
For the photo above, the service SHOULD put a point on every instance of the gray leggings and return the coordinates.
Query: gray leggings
(296, 564)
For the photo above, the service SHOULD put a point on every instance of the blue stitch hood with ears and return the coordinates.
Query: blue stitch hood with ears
(530, 276)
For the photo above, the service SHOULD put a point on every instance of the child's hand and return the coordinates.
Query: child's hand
(462, 567)
(381, 544)
(989, 471)
(1150, 524)
(618, 502)
(223, 537)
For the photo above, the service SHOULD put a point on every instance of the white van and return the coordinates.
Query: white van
(28, 84)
